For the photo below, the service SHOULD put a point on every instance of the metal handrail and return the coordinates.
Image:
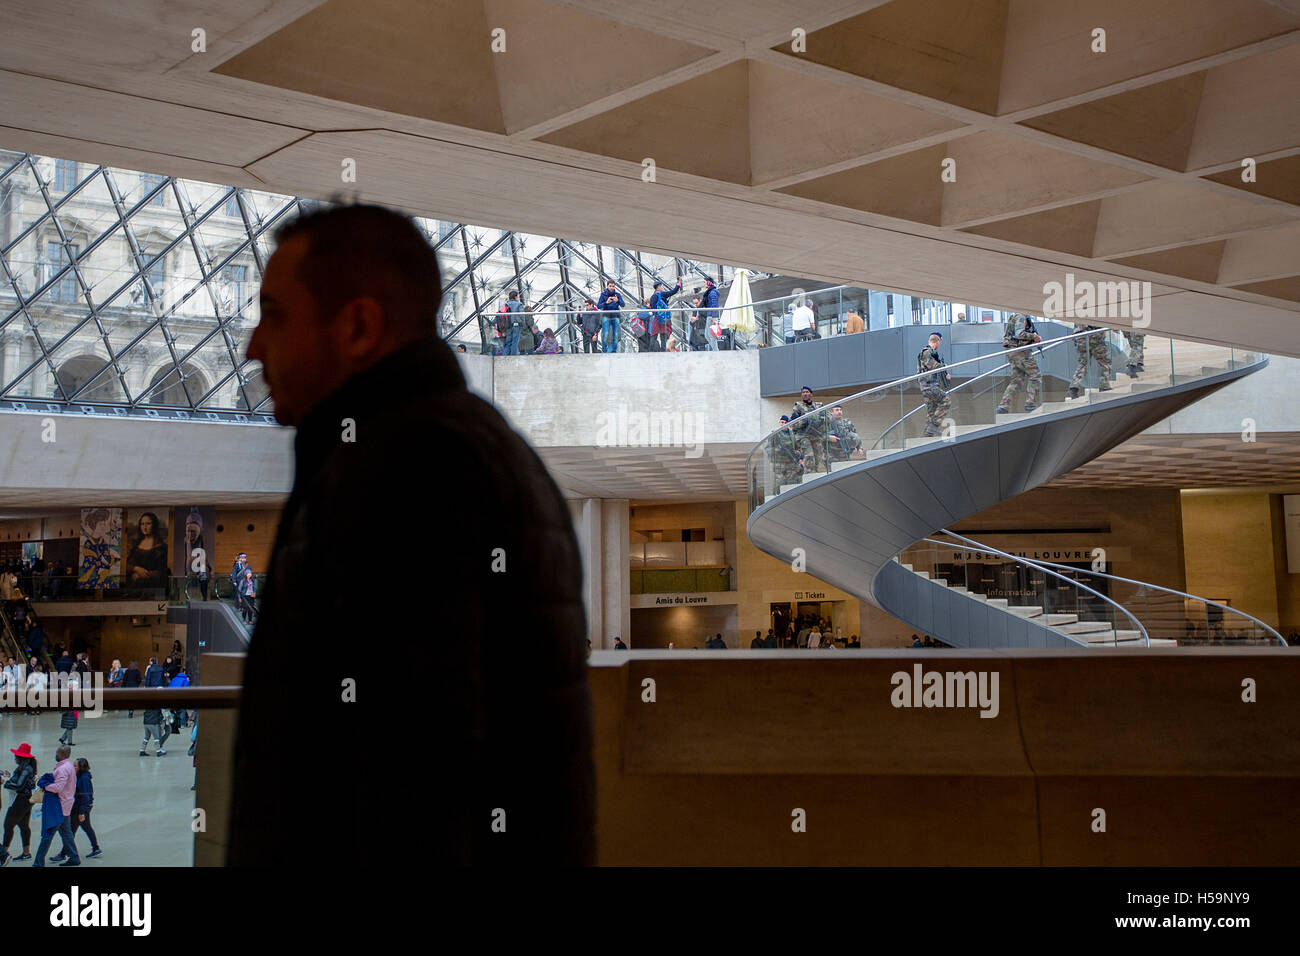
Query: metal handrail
(1146, 584)
(1048, 344)
(976, 546)
(955, 388)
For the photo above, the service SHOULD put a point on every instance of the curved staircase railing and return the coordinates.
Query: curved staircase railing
(1079, 612)
(1170, 618)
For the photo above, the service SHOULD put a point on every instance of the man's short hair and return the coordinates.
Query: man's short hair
(363, 250)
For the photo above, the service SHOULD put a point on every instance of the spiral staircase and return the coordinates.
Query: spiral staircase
(866, 522)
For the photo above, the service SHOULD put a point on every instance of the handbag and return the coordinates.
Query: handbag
(37, 795)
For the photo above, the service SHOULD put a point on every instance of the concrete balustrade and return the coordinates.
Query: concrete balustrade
(1161, 741)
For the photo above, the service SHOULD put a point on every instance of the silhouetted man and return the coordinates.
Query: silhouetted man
(349, 305)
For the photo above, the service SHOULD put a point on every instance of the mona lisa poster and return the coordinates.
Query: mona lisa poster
(100, 564)
(145, 564)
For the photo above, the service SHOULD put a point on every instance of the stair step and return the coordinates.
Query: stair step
(942, 582)
(924, 574)
(841, 465)
(918, 442)
(1085, 627)
(784, 488)
(997, 602)
(1025, 610)
(1163, 642)
(1055, 620)
(812, 476)
(1019, 416)
(907, 566)
(1109, 637)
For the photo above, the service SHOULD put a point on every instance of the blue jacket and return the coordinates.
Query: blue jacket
(153, 677)
(709, 302)
(85, 798)
(610, 302)
(659, 303)
(180, 680)
(51, 806)
(514, 310)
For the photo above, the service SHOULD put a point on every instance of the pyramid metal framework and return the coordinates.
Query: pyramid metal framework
(138, 292)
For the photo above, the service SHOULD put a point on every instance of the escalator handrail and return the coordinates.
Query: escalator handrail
(976, 546)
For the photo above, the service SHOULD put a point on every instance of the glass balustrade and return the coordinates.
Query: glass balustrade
(1048, 597)
(976, 395)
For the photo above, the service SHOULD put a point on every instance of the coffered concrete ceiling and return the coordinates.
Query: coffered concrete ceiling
(823, 161)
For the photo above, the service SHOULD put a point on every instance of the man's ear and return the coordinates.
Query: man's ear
(360, 327)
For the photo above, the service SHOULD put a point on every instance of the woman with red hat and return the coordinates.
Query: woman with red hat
(22, 782)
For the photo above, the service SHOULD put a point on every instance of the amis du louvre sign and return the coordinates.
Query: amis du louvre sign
(122, 411)
(683, 599)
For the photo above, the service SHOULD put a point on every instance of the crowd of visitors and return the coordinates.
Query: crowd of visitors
(658, 326)
(66, 796)
(37, 579)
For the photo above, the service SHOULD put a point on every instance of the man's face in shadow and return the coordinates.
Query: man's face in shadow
(291, 341)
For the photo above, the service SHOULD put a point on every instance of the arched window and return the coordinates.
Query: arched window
(76, 373)
(168, 389)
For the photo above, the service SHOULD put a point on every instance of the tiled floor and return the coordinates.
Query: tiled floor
(143, 805)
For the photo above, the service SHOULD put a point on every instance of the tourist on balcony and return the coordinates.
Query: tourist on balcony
(853, 323)
(514, 322)
(527, 339)
(640, 329)
(803, 322)
(609, 304)
(550, 345)
(661, 325)
(699, 338)
(590, 328)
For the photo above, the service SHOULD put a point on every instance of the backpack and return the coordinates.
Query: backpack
(638, 327)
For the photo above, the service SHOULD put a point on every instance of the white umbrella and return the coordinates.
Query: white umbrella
(738, 311)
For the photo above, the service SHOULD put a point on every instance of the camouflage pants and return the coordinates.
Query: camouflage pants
(1025, 376)
(787, 473)
(938, 406)
(1100, 351)
(813, 446)
(1136, 353)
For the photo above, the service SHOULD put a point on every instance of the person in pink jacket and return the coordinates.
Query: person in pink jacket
(65, 785)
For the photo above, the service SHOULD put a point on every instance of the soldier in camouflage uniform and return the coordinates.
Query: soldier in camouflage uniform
(843, 437)
(786, 460)
(1025, 375)
(811, 431)
(1136, 353)
(1096, 345)
(934, 387)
